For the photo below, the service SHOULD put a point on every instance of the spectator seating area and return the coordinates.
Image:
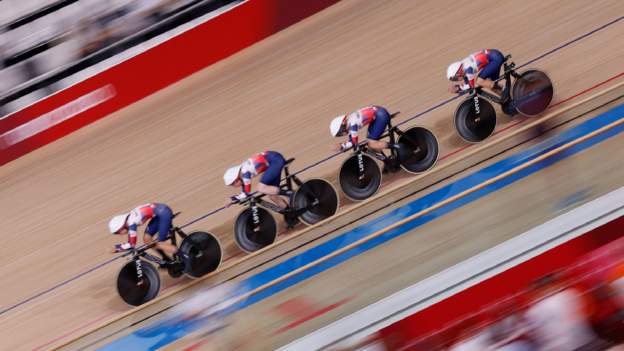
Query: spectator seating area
(579, 308)
(39, 37)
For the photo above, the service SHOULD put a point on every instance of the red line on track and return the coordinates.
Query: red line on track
(196, 345)
(310, 316)
(621, 74)
(456, 151)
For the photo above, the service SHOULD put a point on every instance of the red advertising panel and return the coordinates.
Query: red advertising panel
(148, 72)
(462, 309)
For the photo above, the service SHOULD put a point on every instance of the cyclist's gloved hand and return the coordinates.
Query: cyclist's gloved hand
(240, 197)
(464, 87)
(346, 145)
(123, 247)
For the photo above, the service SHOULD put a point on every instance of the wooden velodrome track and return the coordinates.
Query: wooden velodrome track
(279, 94)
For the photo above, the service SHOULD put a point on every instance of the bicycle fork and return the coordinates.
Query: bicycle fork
(139, 270)
(361, 173)
(255, 217)
(475, 98)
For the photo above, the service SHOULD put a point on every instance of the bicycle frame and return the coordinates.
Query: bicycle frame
(256, 200)
(508, 73)
(392, 134)
(142, 250)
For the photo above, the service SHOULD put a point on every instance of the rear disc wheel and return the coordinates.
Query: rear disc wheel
(204, 252)
(418, 150)
(532, 93)
(319, 196)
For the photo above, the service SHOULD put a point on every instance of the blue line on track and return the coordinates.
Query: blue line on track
(160, 334)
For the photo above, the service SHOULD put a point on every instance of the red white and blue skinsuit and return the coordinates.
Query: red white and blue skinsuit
(160, 217)
(267, 163)
(376, 117)
(484, 64)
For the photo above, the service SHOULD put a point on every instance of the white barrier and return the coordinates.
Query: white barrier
(461, 276)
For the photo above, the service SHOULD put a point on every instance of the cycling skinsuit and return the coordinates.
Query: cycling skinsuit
(487, 62)
(376, 117)
(268, 163)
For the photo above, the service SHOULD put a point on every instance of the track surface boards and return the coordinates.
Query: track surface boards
(280, 94)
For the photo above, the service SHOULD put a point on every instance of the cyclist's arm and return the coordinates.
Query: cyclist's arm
(246, 178)
(353, 136)
(133, 222)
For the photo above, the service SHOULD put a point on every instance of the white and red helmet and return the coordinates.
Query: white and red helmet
(231, 175)
(117, 222)
(454, 70)
(337, 126)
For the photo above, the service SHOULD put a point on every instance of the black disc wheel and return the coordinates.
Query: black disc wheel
(253, 231)
(320, 199)
(418, 150)
(532, 93)
(360, 177)
(203, 251)
(138, 282)
(475, 119)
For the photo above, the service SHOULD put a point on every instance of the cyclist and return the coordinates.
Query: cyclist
(159, 216)
(267, 163)
(481, 68)
(376, 117)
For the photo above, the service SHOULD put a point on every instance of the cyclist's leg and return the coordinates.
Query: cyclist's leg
(270, 180)
(152, 226)
(492, 70)
(165, 216)
(377, 128)
(148, 237)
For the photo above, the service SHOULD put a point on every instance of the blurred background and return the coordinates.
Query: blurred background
(580, 307)
(284, 91)
(43, 42)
